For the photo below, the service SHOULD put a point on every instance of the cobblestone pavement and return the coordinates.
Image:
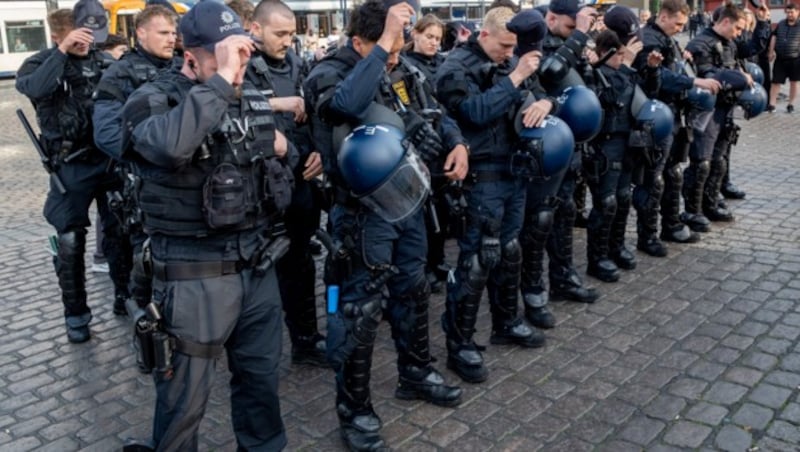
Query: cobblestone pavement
(698, 350)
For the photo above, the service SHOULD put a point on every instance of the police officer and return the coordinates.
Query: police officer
(156, 33)
(530, 29)
(715, 52)
(347, 89)
(609, 163)
(479, 84)
(59, 82)
(568, 26)
(661, 182)
(214, 179)
(278, 73)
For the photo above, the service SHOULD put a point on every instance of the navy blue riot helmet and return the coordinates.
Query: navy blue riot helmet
(658, 116)
(701, 99)
(753, 101)
(580, 108)
(543, 151)
(755, 72)
(383, 171)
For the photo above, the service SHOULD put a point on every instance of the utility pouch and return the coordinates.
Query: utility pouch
(224, 200)
(278, 184)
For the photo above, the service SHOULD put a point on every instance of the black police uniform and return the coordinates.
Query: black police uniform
(662, 180)
(60, 87)
(122, 78)
(479, 95)
(565, 283)
(296, 270)
(211, 192)
(437, 230)
(374, 253)
(609, 168)
(712, 54)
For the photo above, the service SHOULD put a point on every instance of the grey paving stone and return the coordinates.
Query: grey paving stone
(753, 416)
(687, 434)
(733, 439)
(784, 431)
(725, 393)
(706, 413)
(665, 407)
(641, 430)
(770, 395)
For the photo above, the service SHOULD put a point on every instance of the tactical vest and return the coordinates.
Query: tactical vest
(616, 101)
(491, 143)
(227, 187)
(787, 40)
(65, 117)
(652, 36)
(426, 64)
(284, 81)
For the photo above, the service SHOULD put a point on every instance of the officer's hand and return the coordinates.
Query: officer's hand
(654, 59)
(281, 144)
(708, 83)
(232, 54)
(313, 166)
(631, 49)
(591, 56)
(526, 66)
(687, 55)
(771, 55)
(293, 104)
(536, 112)
(397, 18)
(750, 81)
(585, 18)
(456, 165)
(76, 38)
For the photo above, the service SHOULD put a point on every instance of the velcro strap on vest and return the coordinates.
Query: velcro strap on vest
(195, 270)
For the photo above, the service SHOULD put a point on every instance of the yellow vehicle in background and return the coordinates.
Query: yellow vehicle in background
(122, 12)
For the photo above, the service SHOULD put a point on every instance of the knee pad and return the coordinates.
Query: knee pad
(703, 167)
(72, 241)
(608, 205)
(420, 291)
(674, 174)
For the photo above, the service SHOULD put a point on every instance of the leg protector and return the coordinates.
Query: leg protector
(694, 180)
(671, 199)
(581, 216)
(621, 255)
(717, 169)
(356, 324)
(458, 321)
(506, 280)
(409, 320)
(597, 240)
(360, 425)
(71, 271)
(646, 201)
(559, 242)
(533, 239)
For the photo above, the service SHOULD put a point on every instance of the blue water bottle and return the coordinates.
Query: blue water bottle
(333, 299)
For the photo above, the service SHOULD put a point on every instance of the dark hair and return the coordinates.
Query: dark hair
(367, 21)
(730, 11)
(151, 11)
(243, 9)
(267, 8)
(790, 5)
(113, 41)
(674, 7)
(606, 41)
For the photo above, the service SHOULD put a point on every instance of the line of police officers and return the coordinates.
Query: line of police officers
(219, 153)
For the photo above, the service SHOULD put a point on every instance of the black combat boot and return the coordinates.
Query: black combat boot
(359, 424)
(515, 332)
(425, 383)
(71, 271)
(672, 228)
(565, 284)
(309, 350)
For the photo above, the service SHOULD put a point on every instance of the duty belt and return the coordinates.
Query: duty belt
(183, 271)
(482, 176)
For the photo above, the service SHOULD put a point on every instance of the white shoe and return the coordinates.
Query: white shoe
(100, 268)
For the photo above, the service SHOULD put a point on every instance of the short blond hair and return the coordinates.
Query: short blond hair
(497, 18)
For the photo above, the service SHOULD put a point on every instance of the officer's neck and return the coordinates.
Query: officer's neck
(157, 62)
(272, 62)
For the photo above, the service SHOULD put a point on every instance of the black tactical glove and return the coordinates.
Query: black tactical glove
(423, 136)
